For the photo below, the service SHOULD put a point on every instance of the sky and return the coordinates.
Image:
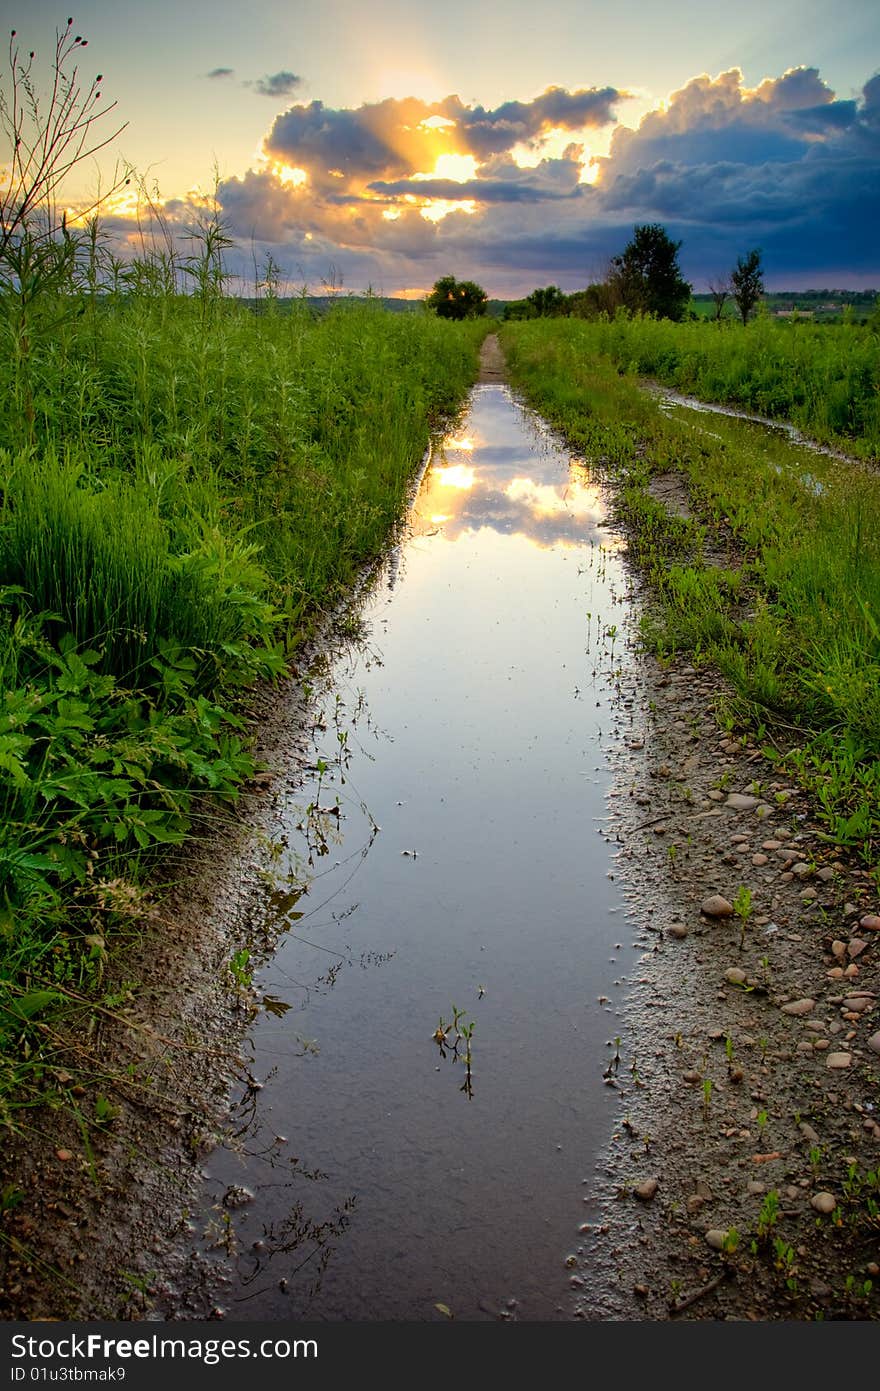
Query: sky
(383, 145)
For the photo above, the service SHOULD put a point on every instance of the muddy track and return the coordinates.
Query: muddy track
(748, 1067)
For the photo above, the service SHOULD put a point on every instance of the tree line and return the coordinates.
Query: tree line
(645, 278)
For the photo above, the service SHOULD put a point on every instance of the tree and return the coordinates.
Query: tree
(720, 290)
(457, 299)
(647, 276)
(747, 283)
(548, 303)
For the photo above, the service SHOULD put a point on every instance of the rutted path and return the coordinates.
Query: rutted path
(742, 1090)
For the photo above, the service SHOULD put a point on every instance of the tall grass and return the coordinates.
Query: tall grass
(775, 577)
(824, 378)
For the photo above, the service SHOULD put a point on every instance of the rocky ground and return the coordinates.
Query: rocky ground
(742, 1178)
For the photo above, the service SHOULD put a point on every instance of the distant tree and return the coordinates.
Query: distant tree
(517, 309)
(548, 303)
(721, 291)
(603, 297)
(457, 299)
(647, 276)
(747, 283)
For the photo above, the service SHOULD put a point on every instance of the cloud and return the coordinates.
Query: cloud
(396, 138)
(398, 192)
(484, 190)
(276, 84)
(221, 72)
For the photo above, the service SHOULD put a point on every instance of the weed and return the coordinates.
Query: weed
(742, 907)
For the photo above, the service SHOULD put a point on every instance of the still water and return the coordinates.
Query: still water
(453, 860)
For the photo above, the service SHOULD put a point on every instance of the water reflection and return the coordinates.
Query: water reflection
(502, 490)
(441, 862)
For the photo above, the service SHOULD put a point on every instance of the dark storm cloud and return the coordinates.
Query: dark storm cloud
(482, 190)
(487, 133)
(276, 84)
(221, 72)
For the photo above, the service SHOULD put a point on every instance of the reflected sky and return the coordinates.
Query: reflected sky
(443, 860)
(490, 477)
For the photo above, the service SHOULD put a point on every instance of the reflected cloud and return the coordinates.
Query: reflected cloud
(493, 491)
(453, 476)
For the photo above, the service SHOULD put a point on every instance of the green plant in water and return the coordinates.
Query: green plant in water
(454, 1039)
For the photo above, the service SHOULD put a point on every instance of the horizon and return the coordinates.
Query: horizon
(343, 149)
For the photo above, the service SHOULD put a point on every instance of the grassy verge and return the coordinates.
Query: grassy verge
(773, 574)
(823, 378)
(186, 486)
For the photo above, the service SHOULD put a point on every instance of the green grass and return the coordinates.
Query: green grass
(186, 488)
(774, 578)
(825, 379)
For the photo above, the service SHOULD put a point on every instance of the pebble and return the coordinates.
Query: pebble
(799, 1008)
(771, 845)
(851, 970)
(874, 1043)
(64, 1155)
(716, 907)
(692, 1076)
(824, 1202)
(740, 801)
(808, 895)
(838, 1060)
(735, 975)
(678, 931)
(858, 1003)
(838, 949)
(760, 860)
(826, 874)
(646, 1190)
(856, 946)
(870, 922)
(808, 1132)
(754, 1187)
(716, 1238)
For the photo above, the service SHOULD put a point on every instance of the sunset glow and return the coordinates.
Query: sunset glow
(356, 142)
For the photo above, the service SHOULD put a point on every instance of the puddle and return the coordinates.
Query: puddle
(669, 398)
(447, 855)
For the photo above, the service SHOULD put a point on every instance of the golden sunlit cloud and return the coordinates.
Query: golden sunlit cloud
(438, 208)
(289, 176)
(391, 214)
(458, 168)
(435, 123)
